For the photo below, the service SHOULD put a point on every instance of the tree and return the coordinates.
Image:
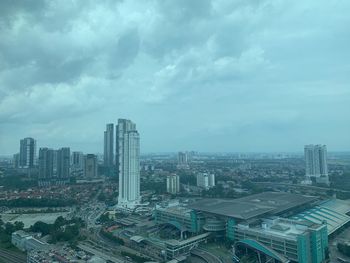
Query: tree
(9, 228)
(344, 248)
(19, 225)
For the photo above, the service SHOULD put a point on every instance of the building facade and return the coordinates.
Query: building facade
(108, 153)
(46, 163)
(299, 241)
(173, 184)
(77, 164)
(316, 163)
(128, 163)
(90, 166)
(27, 154)
(205, 180)
(63, 163)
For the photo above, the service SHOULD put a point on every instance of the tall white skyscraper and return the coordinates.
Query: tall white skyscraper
(316, 162)
(128, 163)
(108, 154)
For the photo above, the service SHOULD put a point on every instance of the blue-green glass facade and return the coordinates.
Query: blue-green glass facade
(303, 245)
(230, 229)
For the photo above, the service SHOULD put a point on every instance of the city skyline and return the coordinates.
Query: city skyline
(219, 76)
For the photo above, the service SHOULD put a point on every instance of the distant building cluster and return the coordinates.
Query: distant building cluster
(54, 165)
(57, 166)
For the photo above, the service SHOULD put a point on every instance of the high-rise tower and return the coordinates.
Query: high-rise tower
(27, 153)
(128, 163)
(46, 163)
(63, 163)
(316, 162)
(108, 154)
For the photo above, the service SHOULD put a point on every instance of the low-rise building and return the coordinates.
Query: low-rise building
(26, 242)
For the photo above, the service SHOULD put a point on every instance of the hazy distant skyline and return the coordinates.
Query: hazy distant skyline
(220, 76)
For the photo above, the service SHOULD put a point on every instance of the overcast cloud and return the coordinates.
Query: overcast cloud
(202, 75)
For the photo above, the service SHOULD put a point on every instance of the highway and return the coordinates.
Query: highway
(11, 257)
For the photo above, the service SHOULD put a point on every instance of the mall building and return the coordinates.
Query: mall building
(283, 226)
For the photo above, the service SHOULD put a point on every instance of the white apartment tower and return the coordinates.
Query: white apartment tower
(205, 180)
(128, 163)
(316, 162)
(173, 184)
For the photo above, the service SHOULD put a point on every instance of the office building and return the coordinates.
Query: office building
(77, 164)
(316, 163)
(128, 163)
(27, 154)
(281, 227)
(173, 184)
(108, 153)
(46, 163)
(63, 163)
(16, 160)
(90, 164)
(205, 180)
(26, 242)
(290, 240)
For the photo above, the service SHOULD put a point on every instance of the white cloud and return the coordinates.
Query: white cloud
(191, 70)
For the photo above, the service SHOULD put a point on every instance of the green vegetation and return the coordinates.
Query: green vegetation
(134, 257)
(158, 187)
(44, 202)
(17, 182)
(61, 229)
(6, 231)
(341, 181)
(188, 179)
(105, 218)
(344, 248)
(112, 237)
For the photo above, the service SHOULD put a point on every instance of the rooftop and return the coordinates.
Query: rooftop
(253, 205)
(282, 227)
(332, 211)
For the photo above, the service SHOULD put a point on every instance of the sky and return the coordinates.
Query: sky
(220, 75)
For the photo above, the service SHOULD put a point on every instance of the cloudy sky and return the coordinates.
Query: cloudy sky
(221, 75)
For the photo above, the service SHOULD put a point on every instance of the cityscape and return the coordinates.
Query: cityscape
(63, 206)
(174, 131)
